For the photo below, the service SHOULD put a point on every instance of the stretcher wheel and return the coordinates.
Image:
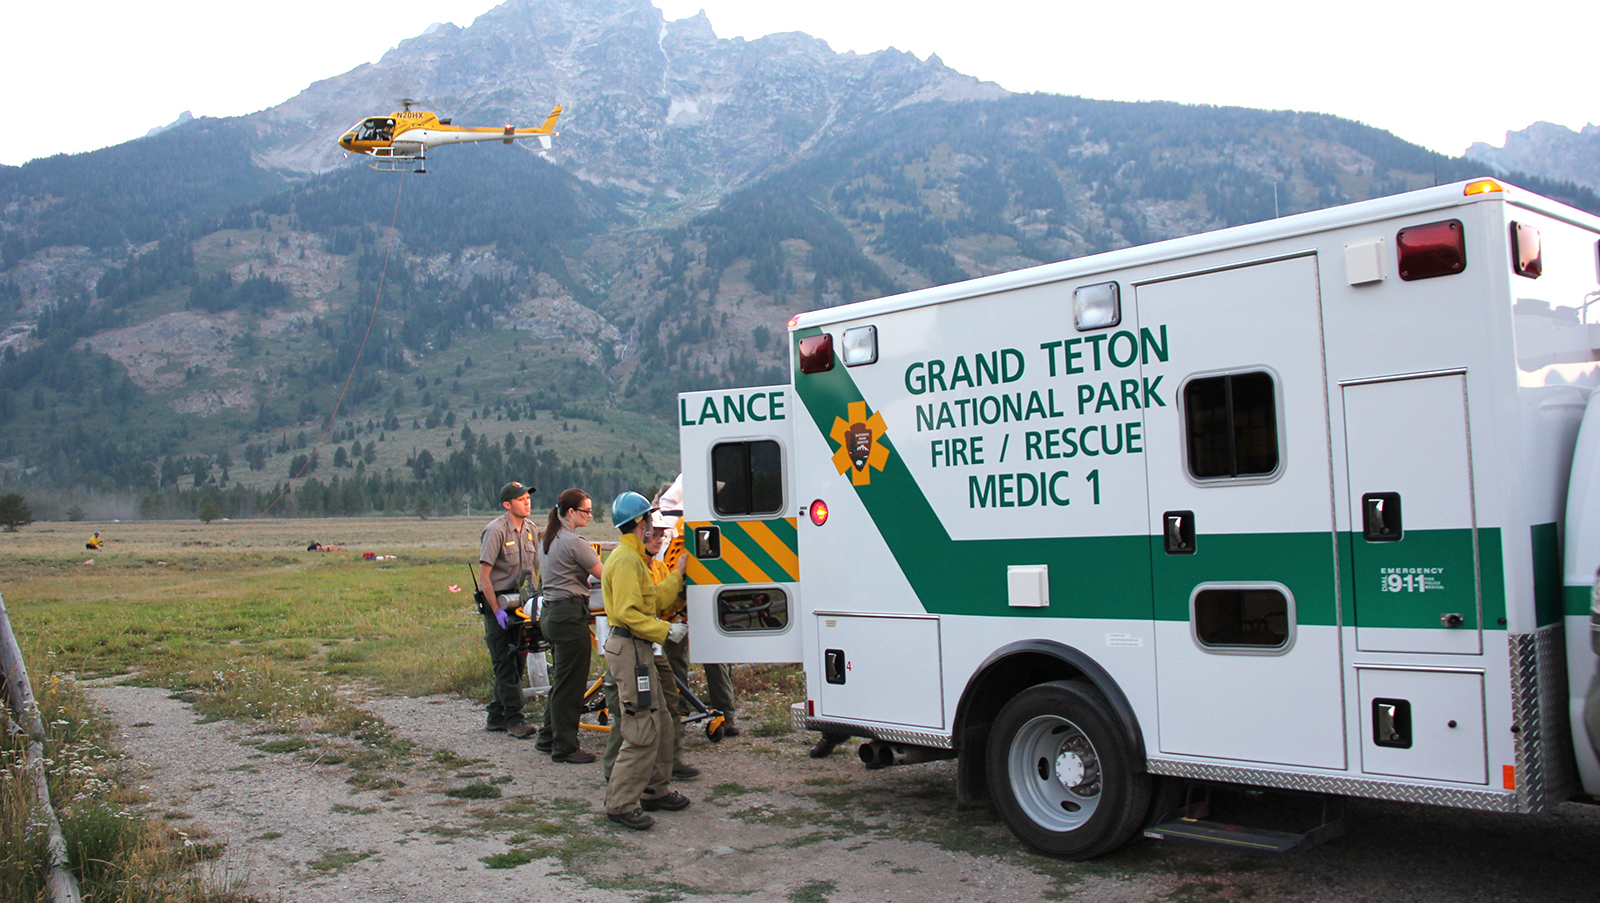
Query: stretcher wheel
(714, 729)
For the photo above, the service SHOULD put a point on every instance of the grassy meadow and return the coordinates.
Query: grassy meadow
(174, 602)
(247, 625)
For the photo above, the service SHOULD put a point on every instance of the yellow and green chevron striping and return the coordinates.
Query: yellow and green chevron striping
(753, 551)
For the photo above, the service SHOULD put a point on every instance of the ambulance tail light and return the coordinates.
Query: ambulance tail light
(1433, 249)
(1527, 254)
(1481, 186)
(794, 321)
(818, 512)
(816, 353)
(811, 708)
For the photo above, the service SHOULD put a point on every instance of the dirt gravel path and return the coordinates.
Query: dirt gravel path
(296, 829)
(767, 824)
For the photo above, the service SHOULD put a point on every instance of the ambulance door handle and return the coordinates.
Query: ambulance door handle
(1178, 532)
(1380, 517)
(707, 543)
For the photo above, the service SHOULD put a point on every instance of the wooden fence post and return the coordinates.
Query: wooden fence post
(25, 709)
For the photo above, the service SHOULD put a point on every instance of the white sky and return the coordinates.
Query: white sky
(84, 74)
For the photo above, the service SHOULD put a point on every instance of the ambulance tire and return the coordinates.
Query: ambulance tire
(1166, 796)
(1063, 774)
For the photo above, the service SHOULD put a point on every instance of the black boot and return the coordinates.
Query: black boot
(825, 746)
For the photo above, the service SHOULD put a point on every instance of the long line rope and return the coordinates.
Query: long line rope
(333, 415)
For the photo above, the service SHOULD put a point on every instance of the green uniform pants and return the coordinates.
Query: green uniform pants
(505, 705)
(719, 688)
(565, 625)
(719, 680)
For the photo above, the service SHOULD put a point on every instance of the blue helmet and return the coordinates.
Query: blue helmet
(629, 507)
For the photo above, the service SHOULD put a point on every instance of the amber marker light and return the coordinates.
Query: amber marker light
(818, 512)
(794, 321)
(1482, 186)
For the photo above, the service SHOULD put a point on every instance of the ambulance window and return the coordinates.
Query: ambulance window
(1232, 422)
(1242, 618)
(748, 478)
(765, 608)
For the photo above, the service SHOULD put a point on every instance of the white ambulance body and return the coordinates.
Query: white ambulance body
(1280, 505)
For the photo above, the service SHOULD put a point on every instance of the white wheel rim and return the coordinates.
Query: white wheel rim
(1055, 773)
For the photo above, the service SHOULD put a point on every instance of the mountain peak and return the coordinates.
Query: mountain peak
(1549, 150)
(624, 74)
(185, 116)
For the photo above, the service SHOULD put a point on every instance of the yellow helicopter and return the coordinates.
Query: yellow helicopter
(400, 141)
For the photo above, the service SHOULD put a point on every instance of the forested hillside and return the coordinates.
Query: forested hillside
(182, 317)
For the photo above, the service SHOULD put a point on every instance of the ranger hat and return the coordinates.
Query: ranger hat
(514, 490)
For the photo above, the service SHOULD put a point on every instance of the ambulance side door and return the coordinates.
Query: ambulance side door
(739, 529)
(1243, 552)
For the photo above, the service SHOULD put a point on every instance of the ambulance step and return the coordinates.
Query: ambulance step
(1260, 840)
(1192, 822)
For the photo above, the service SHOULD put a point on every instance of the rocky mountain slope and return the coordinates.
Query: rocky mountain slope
(201, 297)
(1554, 152)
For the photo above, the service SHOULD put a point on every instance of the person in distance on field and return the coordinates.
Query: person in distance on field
(642, 778)
(567, 561)
(507, 561)
(95, 541)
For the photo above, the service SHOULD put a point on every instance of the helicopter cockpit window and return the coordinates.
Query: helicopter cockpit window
(377, 130)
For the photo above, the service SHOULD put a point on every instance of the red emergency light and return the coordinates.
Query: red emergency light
(1433, 249)
(818, 512)
(1527, 252)
(816, 353)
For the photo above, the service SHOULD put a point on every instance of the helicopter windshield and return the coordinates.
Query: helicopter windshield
(376, 129)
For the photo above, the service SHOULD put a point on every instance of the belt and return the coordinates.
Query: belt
(583, 599)
(623, 632)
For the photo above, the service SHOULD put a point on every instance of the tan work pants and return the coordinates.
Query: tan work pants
(644, 766)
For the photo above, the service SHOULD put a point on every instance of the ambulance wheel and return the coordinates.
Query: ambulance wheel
(1166, 795)
(1062, 774)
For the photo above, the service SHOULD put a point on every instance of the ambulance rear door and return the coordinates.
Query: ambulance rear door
(739, 524)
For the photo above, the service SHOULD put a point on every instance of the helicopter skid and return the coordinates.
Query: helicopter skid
(399, 163)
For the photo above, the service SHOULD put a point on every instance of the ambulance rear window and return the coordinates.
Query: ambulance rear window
(1232, 424)
(763, 608)
(747, 478)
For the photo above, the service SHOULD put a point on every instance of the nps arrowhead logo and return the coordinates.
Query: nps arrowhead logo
(857, 438)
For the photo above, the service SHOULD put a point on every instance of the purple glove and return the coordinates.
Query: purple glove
(500, 615)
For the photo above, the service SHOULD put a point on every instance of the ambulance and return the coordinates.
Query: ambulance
(1291, 505)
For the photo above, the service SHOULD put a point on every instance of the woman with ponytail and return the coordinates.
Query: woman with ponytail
(566, 561)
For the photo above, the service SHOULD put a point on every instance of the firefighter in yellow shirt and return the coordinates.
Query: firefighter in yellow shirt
(659, 571)
(642, 777)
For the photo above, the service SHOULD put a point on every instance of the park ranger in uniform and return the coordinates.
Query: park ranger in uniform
(506, 566)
